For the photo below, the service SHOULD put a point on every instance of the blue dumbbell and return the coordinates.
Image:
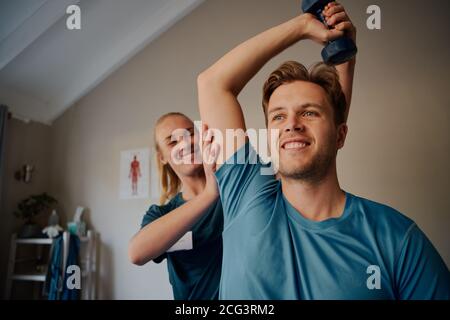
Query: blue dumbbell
(337, 51)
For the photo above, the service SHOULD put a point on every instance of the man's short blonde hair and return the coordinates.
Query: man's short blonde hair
(321, 74)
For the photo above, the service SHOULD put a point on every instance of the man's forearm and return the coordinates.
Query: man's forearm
(236, 68)
(346, 72)
(219, 85)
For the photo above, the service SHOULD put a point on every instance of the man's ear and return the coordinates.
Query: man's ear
(341, 135)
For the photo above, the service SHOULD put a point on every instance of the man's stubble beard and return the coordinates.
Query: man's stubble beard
(315, 170)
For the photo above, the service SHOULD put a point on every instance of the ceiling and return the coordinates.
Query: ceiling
(45, 68)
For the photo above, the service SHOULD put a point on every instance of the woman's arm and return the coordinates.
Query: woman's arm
(158, 236)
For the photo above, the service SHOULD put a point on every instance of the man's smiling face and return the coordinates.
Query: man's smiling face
(308, 135)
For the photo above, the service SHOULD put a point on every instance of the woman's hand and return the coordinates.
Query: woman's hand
(210, 152)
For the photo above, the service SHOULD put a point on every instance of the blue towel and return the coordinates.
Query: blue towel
(72, 259)
(55, 285)
(53, 277)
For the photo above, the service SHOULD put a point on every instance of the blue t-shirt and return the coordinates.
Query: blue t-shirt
(194, 274)
(270, 251)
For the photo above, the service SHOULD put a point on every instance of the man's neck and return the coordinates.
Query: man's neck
(317, 201)
(192, 185)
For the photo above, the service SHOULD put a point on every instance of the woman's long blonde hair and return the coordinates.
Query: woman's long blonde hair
(170, 183)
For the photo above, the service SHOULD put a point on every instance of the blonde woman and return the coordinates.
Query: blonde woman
(189, 208)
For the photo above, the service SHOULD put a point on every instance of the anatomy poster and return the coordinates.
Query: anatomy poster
(134, 174)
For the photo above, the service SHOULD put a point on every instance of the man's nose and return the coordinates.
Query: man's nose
(294, 124)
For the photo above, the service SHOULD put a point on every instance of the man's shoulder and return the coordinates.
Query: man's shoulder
(382, 216)
(244, 156)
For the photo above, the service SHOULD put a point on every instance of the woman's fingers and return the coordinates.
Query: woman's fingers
(337, 18)
(333, 8)
(207, 142)
(343, 26)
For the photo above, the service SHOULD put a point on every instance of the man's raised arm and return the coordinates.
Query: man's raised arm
(220, 84)
(337, 17)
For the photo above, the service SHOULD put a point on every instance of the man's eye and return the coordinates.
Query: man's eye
(277, 117)
(309, 113)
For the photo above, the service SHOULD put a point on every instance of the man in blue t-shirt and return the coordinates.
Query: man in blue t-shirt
(295, 234)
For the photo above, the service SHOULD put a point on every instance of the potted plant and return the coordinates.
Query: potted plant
(29, 208)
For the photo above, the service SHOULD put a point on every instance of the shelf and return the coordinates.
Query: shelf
(44, 240)
(32, 269)
(30, 277)
(35, 241)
